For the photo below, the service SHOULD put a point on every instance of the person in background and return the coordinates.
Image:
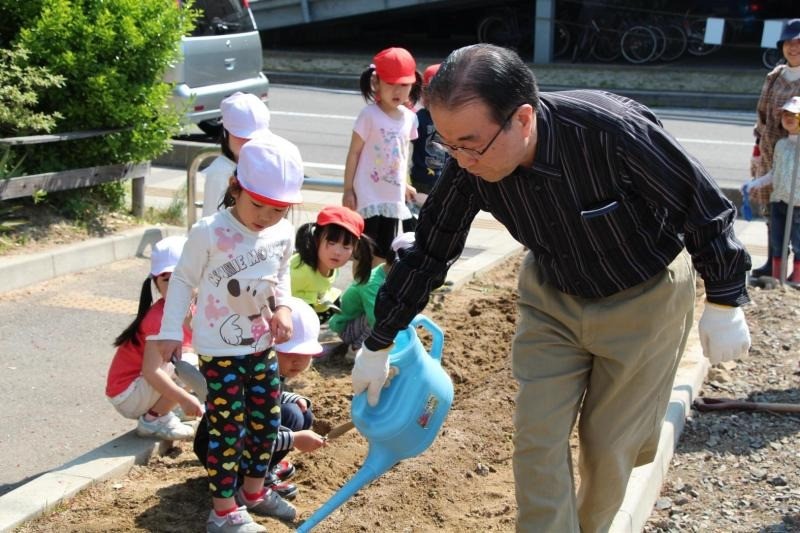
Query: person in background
(238, 259)
(356, 316)
(244, 117)
(140, 384)
(427, 158)
(323, 247)
(607, 203)
(376, 169)
(780, 84)
(779, 179)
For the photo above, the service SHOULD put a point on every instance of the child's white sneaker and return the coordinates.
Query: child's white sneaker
(270, 504)
(166, 427)
(238, 521)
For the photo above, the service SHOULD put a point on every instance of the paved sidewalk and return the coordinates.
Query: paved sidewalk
(488, 244)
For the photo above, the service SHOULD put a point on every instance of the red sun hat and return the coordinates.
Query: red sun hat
(395, 65)
(342, 216)
(429, 73)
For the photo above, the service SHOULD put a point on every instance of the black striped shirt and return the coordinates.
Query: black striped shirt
(610, 201)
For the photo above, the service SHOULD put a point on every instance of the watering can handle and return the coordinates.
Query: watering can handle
(435, 331)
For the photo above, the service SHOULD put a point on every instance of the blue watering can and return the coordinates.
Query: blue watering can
(408, 416)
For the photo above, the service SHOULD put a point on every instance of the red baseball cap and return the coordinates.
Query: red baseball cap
(341, 216)
(395, 65)
(429, 73)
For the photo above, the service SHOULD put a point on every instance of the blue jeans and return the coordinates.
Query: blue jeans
(778, 223)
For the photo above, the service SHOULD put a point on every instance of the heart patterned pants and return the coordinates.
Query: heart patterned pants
(243, 408)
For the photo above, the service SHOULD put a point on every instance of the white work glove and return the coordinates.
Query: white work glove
(370, 371)
(723, 333)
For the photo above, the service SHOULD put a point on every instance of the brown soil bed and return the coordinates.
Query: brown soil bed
(463, 482)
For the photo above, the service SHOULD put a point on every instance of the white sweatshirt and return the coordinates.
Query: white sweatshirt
(241, 277)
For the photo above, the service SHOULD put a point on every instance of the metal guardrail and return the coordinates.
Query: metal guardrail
(191, 183)
(192, 204)
(30, 184)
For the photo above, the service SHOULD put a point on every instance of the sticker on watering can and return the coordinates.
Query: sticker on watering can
(430, 406)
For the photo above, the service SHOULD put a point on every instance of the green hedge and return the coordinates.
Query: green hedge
(111, 55)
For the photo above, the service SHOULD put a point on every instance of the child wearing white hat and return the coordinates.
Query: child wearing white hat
(238, 259)
(139, 383)
(244, 117)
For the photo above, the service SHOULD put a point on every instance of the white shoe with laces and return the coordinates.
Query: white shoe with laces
(166, 427)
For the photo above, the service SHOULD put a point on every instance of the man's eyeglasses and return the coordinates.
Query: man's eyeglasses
(471, 152)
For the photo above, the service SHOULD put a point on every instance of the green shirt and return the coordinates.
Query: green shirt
(311, 286)
(359, 299)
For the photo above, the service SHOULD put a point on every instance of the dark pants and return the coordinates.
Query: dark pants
(778, 211)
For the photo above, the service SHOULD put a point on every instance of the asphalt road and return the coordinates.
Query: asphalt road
(55, 337)
(320, 122)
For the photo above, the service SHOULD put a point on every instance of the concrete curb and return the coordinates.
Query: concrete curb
(111, 460)
(21, 270)
(645, 482)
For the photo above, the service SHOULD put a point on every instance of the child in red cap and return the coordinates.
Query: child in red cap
(322, 248)
(376, 170)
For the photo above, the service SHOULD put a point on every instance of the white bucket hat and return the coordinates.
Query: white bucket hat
(793, 105)
(166, 254)
(305, 334)
(271, 170)
(245, 115)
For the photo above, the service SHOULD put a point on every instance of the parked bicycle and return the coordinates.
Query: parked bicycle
(771, 58)
(597, 40)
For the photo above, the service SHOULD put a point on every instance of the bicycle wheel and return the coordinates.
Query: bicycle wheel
(496, 30)
(696, 44)
(675, 42)
(771, 58)
(581, 49)
(638, 45)
(561, 40)
(606, 47)
(661, 42)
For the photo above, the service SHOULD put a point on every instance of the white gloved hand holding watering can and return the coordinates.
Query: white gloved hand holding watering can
(370, 371)
(724, 334)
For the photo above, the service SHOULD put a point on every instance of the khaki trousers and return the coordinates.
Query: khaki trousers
(613, 359)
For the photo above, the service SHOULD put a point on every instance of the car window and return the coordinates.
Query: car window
(222, 17)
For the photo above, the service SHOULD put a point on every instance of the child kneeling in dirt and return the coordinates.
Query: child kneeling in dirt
(140, 384)
(356, 317)
(294, 357)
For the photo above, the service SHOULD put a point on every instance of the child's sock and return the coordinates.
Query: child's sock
(225, 512)
(151, 415)
(254, 496)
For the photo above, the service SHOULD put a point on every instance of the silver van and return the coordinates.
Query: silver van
(220, 57)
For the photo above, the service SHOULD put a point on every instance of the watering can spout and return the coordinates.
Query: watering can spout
(376, 464)
(405, 422)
